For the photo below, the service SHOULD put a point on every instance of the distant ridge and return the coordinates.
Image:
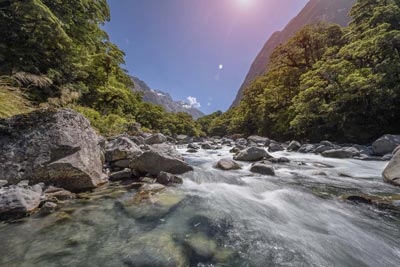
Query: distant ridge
(333, 11)
(164, 99)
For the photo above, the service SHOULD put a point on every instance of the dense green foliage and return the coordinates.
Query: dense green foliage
(328, 82)
(58, 54)
(205, 122)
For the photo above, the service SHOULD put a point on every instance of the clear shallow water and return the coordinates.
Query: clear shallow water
(222, 218)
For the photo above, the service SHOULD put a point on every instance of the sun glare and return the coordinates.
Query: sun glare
(244, 2)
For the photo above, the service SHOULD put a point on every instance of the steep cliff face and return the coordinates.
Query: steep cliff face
(164, 99)
(332, 11)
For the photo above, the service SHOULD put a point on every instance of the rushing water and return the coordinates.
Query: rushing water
(222, 218)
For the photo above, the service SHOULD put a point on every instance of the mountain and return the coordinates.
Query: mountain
(164, 99)
(332, 11)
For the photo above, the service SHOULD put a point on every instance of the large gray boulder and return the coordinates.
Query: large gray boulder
(227, 164)
(391, 173)
(56, 147)
(385, 144)
(158, 158)
(121, 148)
(16, 201)
(252, 154)
(341, 153)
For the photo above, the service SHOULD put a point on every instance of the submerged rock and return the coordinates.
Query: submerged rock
(202, 246)
(252, 154)
(263, 167)
(227, 164)
(155, 248)
(385, 144)
(391, 174)
(52, 146)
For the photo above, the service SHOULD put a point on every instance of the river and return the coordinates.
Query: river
(222, 218)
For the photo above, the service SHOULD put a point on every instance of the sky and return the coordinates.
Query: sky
(196, 50)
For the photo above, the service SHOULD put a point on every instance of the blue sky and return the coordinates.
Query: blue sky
(201, 49)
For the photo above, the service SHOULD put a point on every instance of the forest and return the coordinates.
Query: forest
(327, 82)
(56, 54)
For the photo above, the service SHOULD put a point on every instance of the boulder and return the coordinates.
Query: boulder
(275, 147)
(341, 153)
(165, 178)
(294, 146)
(322, 148)
(206, 146)
(263, 167)
(252, 154)
(160, 158)
(138, 140)
(191, 150)
(227, 164)
(306, 148)
(16, 201)
(241, 142)
(391, 174)
(52, 146)
(3, 183)
(258, 139)
(385, 144)
(121, 148)
(157, 138)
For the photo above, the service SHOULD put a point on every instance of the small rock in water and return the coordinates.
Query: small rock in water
(227, 164)
(191, 150)
(121, 175)
(58, 193)
(263, 167)
(3, 183)
(193, 146)
(294, 146)
(341, 153)
(275, 147)
(168, 178)
(252, 154)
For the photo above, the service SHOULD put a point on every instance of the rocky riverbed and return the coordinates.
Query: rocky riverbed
(158, 201)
